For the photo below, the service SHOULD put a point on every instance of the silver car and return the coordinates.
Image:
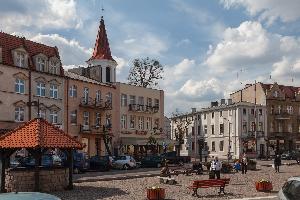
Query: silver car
(291, 189)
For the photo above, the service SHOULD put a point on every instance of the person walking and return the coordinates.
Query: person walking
(215, 167)
(277, 162)
(244, 164)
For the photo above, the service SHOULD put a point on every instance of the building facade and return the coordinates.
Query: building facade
(31, 82)
(283, 111)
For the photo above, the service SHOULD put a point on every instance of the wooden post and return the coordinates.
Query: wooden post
(2, 166)
(70, 161)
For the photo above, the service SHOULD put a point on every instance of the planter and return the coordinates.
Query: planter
(251, 166)
(264, 186)
(156, 193)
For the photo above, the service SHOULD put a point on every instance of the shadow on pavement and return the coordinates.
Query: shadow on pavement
(89, 193)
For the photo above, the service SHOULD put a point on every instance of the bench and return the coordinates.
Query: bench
(167, 180)
(220, 183)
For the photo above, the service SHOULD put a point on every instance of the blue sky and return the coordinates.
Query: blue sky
(208, 48)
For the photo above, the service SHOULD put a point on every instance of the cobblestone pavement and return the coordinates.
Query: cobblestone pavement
(240, 186)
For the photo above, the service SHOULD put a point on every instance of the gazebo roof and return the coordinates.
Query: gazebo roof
(38, 133)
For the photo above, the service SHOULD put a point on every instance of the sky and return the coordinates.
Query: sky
(208, 48)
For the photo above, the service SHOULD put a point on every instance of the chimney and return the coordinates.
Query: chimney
(222, 101)
(229, 101)
(193, 110)
(214, 103)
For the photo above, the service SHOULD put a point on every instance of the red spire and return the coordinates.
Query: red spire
(101, 49)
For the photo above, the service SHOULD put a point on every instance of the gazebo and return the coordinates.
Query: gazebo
(36, 136)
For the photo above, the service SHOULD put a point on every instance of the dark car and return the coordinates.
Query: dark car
(80, 161)
(100, 163)
(291, 155)
(47, 161)
(152, 161)
(290, 190)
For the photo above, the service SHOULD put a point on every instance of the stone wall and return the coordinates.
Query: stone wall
(22, 180)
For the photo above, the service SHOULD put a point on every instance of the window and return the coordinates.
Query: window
(212, 129)
(132, 121)
(252, 111)
(212, 115)
(272, 127)
(108, 75)
(123, 100)
(41, 89)
(252, 126)
(244, 111)
(199, 129)
(149, 102)
(148, 123)
(205, 129)
(221, 145)
(20, 86)
(204, 115)
(221, 129)
(141, 100)
(289, 109)
(109, 97)
(53, 91)
(74, 117)
(19, 114)
(230, 112)
(244, 127)
(221, 113)
(86, 94)
(156, 103)
(275, 94)
(98, 96)
(41, 63)
(141, 123)
(292, 189)
(259, 111)
(290, 127)
(124, 121)
(213, 146)
(53, 68)
(260, 126)
(20, 59)
(53, 117)
(98, 119)
(131, 99)
(73, 91)
(156, 123)
(193, 130)
(279, 127)
(198, 117)
(193, 146)
(86, 118)
(279, 109)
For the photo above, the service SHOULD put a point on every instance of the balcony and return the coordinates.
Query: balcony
(282, 115)
(251, 134)
(93, 129)
(95, 104)
(143, 108)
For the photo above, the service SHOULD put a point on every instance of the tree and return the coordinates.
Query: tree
(145, 72)
(182, 122)
(107, 137)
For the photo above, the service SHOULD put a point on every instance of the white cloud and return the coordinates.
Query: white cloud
(71, 52)
(183, 42)
(268, 10)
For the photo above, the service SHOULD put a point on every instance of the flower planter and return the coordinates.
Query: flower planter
(156, 193)
(264, 186)
(251, 166)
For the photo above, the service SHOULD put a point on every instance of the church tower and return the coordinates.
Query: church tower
(102, 66)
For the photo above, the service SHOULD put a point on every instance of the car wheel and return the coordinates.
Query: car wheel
(126, 166)
(158, 165)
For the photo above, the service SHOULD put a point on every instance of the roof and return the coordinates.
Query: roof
(289, 91)
(38, 133)
(75, 76)
(101, 49)
(10, 42)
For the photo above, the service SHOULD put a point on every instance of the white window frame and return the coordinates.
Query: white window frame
(86, 118)
(19, 85)
(132, 122)
(221, 149)
(19, 114)
(20, 59)
(73, 91)
(73, 115)
(148, 123)
(98, 96)
(53, 91)
(54, 117)
(123, 100)
(289, 109)
(132, 99)
(141, 122)
(41, 64)
(42, 113)
(53, 67)
(41, 89)
(98, 119)
(124, 122)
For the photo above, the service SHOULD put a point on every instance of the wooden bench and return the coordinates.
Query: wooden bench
(167, 180)
(221, 183)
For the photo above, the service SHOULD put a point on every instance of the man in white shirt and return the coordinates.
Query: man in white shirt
(215, 167)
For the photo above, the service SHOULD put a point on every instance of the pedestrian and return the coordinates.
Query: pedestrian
(215, 167)
(277, 162)
(244, 164)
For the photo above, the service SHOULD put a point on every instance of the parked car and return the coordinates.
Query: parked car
(172, 158)
(100, 163)
(47, 161)
(290, 190)
(27, 196)
(80, 162)
(291, 155)
(124, 162)
(152, 161)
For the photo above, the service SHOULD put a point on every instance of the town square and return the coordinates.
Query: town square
(149, 99)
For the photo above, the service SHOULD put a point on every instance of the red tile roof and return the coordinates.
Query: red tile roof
(289, 91)
(101, 49)
(38, 133)
(10, 42)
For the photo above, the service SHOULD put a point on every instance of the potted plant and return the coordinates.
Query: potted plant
(156, 193)
(264, 185)
(251, 165)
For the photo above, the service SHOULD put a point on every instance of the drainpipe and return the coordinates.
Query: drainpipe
(67, 106)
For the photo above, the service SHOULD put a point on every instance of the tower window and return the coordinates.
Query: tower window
(108, 74)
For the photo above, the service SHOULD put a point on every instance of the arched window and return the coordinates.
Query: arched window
(108, 74)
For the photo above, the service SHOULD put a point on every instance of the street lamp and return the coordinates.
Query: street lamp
(229, 140)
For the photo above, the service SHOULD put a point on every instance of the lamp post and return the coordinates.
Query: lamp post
(229, 140)
(34, 103)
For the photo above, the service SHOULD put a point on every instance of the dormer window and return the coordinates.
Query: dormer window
(20, 59)
(275, 94)
(41, 64)
(53, 68)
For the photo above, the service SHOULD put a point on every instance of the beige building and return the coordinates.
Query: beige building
(31, 78)
(283, 108)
